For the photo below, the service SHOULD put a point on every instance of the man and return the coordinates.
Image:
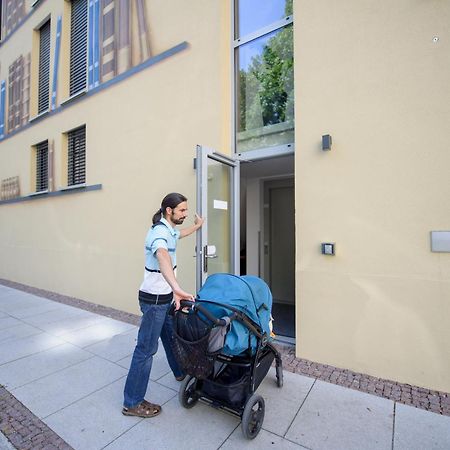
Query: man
(158, 290)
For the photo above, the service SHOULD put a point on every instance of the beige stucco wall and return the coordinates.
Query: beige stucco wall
(369, 74)
(140, 136)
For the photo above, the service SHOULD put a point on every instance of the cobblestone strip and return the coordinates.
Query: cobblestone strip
(23, 429)
(11, 421)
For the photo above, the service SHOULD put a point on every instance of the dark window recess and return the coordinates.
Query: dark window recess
(42, 166)
(44, 68)
(78, 46)
(76, 173)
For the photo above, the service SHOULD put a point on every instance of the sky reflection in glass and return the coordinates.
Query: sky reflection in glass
(255, 14)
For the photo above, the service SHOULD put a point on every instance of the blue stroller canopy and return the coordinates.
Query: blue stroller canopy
(248, 294)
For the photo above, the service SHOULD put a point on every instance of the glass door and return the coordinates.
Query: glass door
(217, 247)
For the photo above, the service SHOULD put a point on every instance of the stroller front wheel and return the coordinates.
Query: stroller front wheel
(253, 416)
(187, 395)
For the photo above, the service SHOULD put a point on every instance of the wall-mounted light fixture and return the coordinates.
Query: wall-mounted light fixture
(326, 142)
(328, 248)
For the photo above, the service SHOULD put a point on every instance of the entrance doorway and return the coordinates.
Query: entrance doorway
(268, 234)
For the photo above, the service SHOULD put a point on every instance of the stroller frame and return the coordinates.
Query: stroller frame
(237, 397)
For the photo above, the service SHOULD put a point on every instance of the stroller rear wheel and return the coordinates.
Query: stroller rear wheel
(187, 394)
(253, 416)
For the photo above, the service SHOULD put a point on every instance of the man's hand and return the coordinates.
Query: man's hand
(198, 221)
(179, 294)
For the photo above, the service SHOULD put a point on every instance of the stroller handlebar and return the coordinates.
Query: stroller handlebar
(204, 311)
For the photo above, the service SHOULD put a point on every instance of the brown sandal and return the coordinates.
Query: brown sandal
(144, 409)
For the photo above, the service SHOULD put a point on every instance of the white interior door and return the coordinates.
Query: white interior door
(217, 247)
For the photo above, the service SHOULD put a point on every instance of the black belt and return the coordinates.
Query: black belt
(156, 299)
(156, 271)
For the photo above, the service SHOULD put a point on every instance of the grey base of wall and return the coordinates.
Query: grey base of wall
(25, 431)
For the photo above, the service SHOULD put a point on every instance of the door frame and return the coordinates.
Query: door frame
(201, 165)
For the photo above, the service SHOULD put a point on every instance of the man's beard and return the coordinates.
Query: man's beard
(177, 221)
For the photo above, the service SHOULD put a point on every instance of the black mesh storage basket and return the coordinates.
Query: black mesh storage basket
(190, 344)
(193, 357)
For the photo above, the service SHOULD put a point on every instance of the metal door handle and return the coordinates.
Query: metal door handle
(206, 255)
(205, 259)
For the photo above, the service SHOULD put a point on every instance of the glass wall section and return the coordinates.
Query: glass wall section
(264, 80)
(252, 15)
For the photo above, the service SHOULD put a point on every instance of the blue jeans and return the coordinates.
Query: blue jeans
(155, 323)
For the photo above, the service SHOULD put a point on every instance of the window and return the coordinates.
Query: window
(76, 156)
(42, 166)
(78, 46)
(44, 68)
(11, 14)
(19, 92)
(252, 15)
(264, 80)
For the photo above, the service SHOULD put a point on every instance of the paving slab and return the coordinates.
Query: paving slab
(282, 404)
(98, 332)
(25, 370)
(19, 331)
(34, 309)
(125, 362)
(18, 301)
(160, 366)
(54, 315)
(115, 348)
(73, 324)
(19, 348)
(200, 427)
(13, 296)
(264, 441)
(5, 288)
(169, 381)
(58, 390)
(97, 420)
(9, 322)
(334, 417)
(416, 429)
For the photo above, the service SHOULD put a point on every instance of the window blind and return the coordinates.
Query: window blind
(76, 171)
(44, 68)
(78, 46)
(42, 166)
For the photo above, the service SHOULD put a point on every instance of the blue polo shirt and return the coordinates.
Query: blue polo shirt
(161, 235)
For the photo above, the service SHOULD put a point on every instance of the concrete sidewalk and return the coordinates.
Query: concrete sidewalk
(68, 367)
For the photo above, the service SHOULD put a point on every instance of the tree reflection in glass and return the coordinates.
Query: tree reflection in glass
(265, 91)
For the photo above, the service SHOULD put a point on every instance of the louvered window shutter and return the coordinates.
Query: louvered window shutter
(44, 68)
(76, 173)
(78, 46)
(42, 166)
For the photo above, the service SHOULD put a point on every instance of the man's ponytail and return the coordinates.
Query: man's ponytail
(157, 216)
(169, 201)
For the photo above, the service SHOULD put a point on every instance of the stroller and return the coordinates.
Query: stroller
(223, 344)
